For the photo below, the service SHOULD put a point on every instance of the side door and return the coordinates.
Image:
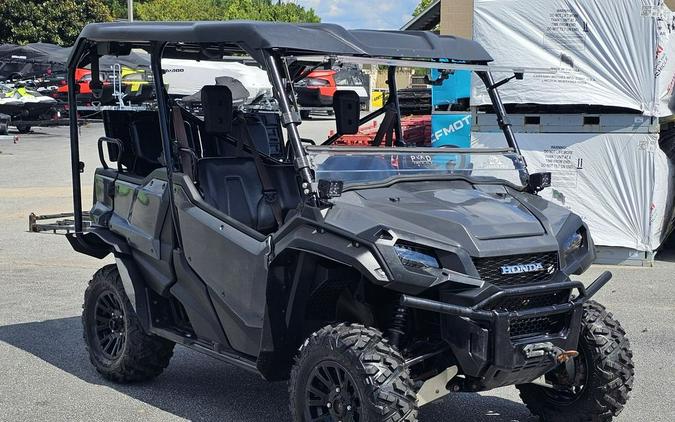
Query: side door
(230, 259)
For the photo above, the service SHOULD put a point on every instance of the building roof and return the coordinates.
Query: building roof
(298, 39)
(427, 20)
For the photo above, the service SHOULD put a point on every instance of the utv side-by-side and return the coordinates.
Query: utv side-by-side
(375, 278)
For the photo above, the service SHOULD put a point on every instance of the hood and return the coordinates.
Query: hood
(451, 212)
(485, 215)
(460, 220)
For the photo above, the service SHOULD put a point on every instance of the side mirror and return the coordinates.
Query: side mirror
(539, 181)
(347, 107)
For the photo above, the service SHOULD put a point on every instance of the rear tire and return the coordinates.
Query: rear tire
(349, 372)
(118, 347)
(605, 360)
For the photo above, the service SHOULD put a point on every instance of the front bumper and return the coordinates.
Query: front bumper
(483, 341)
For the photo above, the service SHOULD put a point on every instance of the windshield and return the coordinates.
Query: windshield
(420, 124)
(367, 165)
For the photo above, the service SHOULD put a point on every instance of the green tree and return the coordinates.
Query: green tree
(264, 10)
(118, 8)
(423, 4)
(177, 10)
(52, 21)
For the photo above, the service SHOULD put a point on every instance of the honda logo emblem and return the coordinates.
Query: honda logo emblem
(523, 268)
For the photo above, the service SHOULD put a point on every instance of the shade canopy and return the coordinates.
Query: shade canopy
(57, 56)
(254, 37)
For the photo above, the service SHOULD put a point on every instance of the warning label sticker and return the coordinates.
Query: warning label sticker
(566, 30)
(565, 76)
(563, 165)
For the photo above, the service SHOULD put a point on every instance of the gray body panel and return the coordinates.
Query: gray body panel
(139, 214)
(236, 275)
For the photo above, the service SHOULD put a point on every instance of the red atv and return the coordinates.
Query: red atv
(316, 90)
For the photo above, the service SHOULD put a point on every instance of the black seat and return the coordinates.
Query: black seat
(252, 190)
(257, 130)
(138, 132)
(146, 141)
(232, 185)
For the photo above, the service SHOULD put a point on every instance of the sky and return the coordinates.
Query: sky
(363, 14)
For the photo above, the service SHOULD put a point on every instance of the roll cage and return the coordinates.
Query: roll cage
(285, 51)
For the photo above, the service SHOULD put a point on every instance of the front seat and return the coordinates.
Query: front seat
(232, 186)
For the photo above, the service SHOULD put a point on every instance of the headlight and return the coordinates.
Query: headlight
(416, 257)
(573, 243)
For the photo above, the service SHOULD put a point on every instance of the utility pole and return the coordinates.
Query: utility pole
(130, 10)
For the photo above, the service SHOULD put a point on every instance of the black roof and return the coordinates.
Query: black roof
(253, 36)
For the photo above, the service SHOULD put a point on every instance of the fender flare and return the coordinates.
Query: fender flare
(276, 342)
(99, 243)
(334, 247)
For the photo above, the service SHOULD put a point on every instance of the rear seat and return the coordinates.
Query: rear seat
(138, 131)
(146, 141)
(258, 132)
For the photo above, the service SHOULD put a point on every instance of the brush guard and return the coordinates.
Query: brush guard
(482, 342)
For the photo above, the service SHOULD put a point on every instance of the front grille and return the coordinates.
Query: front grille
(490, 268)
(521, 327)
(520, 303)
(549, 324)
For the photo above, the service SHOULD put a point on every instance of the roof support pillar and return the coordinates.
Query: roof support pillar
(75, 165)
(288, 111)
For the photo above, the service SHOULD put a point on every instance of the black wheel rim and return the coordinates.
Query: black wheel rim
(332, 395)
(110, 325)
(569, 381)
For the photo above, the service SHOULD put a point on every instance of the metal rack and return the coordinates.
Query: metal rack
(61, 223)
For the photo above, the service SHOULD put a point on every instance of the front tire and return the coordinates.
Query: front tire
(597, 388)
(349, 372)
(118, 347)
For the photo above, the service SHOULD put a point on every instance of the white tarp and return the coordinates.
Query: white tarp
(606, 52)
(186, 77)
(617, 182)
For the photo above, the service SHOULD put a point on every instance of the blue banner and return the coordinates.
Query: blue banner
(451, 129)
(458, 85)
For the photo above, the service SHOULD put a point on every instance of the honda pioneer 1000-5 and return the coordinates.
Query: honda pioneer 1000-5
(376, 278)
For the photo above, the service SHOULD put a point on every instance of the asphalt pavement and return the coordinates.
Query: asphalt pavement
(45, 374)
